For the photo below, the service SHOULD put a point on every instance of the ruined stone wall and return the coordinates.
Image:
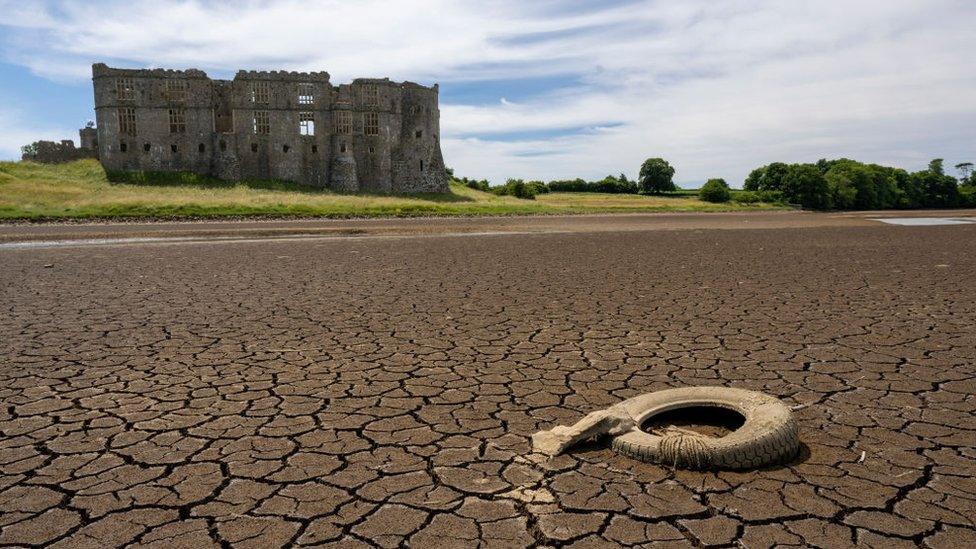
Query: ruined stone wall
(49, 152)
(255, 126)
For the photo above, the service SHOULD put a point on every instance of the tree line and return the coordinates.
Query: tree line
(846, 184)
(656, 177)
(841, 184)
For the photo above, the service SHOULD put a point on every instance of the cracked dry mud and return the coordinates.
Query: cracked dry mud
(383, 391)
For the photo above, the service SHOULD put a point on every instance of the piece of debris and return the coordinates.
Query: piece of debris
(767, 433)
(612, 421)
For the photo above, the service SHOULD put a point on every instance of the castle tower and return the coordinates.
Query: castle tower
(88, 138)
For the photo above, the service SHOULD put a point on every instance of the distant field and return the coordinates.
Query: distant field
(81, 190)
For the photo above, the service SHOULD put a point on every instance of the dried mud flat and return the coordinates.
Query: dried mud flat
(381, 391)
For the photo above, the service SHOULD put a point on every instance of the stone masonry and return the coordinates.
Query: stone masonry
(49, 152)
(372, 135)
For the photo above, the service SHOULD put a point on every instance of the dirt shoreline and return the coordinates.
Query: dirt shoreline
(258, 228)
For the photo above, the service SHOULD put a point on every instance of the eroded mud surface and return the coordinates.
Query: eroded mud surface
(383, 391)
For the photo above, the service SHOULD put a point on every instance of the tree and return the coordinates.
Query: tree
(773, 178)
(767, 178)
(715, 190)
(656, 176)
(965, 169)
(843, 190)
(936, 188)
(804, 184)
(752, 181)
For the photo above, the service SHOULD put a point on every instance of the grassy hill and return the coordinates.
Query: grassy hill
(81, 190)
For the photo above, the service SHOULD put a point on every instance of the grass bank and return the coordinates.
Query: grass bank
(80, 190)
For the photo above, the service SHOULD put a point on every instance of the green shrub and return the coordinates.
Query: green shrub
(517, 188)
(570, 186)
(715, 190)
(746, 197)
(481, 185)
(609, 184)
(967, 196)
(771, 197)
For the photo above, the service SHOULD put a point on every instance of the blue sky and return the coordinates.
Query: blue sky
(554, 89)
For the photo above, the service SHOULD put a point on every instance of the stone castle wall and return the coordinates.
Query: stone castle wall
(49, 152)
(372, 135)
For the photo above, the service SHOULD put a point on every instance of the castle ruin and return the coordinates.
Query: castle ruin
(372, 135)
(49, 152)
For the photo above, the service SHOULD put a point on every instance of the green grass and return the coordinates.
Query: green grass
(80, 189)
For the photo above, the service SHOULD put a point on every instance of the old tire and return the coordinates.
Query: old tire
(769, 435)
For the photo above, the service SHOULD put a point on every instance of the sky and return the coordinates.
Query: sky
(553, 89)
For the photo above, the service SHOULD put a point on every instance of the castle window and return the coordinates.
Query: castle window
(315, 149)
(371, 95)
(262, 123)
(418, 134)
(175, 89)
(421, 166)
(372, 149)
(146, 147)
(306, 123)
(124, 89)
(343, 122)
(285, 148)
(127, 120)
(371, 123)
(123, 146)
(177, 121)
(342, 148)
(305, 94)
(174, 148)
(261, 92)
(202, 148)
(254, 147)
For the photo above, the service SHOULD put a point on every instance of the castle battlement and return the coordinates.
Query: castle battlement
(371, 135)
(102, 70)
(287, 76)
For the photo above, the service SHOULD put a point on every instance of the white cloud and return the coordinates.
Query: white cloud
(716, 87)
(18, 132)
